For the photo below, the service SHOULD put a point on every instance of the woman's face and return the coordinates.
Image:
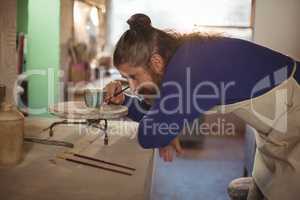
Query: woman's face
(145, 80)
(142, 81)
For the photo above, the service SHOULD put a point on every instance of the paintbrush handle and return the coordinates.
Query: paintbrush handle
(118, 93)
(105, 162)
(97, 166)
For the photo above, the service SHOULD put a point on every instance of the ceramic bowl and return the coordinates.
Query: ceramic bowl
(94, 98)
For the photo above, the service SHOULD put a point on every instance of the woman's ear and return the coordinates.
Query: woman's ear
(157, 64)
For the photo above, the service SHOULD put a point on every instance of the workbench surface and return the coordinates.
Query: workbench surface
(42, 176)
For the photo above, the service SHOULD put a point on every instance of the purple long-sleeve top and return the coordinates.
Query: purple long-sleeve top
(204, 74)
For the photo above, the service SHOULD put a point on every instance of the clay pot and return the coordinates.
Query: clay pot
(11, 135)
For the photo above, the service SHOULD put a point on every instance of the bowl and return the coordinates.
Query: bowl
(94, 98)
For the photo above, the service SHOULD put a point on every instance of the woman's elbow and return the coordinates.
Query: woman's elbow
(149, 137)
(144, 138)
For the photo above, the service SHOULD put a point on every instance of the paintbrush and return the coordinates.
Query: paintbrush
(117, 93)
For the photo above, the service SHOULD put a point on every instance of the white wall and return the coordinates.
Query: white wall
(277, 25)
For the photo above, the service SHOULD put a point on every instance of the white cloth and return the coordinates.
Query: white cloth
(276, 117)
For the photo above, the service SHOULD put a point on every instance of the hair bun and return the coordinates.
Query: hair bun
(139, 22)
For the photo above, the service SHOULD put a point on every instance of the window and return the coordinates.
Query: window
(86, 23)
(231, 17)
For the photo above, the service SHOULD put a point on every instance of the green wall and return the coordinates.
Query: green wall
(22, 16)
(43, 54)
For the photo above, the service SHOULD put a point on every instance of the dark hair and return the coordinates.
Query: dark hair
(142, 40)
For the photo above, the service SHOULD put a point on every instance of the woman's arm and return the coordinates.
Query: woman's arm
(137, 108)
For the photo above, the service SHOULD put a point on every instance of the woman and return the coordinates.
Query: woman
(195, 74)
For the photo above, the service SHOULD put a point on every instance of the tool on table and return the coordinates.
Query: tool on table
(97, 166)
(117, 93)
(49, 142)
(102, 161)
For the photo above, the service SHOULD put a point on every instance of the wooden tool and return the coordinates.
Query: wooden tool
(97, 166)
(49, 142)
(105, 162)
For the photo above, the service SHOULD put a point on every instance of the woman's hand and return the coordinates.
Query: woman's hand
(112, 88)
(167, 153)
